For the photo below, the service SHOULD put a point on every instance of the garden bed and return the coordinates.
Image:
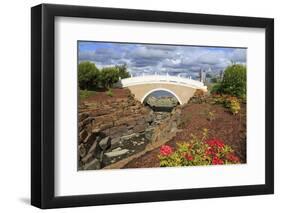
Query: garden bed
(219, 121)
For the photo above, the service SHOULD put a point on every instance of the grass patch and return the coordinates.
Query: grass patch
(85, 93)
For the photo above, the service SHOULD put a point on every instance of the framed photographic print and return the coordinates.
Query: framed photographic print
(140, 106)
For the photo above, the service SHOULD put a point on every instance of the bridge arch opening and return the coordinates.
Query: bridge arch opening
(161, 99)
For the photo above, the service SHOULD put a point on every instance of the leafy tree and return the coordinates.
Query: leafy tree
(122, 69)
(234, 80)
(88, 75)
(109, 76)
(216, 88)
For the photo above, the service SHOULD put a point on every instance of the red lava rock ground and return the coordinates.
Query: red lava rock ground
(225, 126)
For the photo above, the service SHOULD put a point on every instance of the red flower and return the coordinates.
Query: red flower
(215, 143)
(209, 151)
(166, 150)
(219, 144)
(188, 157)
(217, 161)
(211, 143)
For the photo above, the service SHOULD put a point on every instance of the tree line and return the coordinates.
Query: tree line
(91, 78)
(234, 81)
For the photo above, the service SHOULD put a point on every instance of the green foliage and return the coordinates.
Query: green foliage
(109, 93)
(122, 70)
(234, 80)
(88, 75)
(233, 83)
(109, 76)
(197, 151)
(216, 88)
(230, 102)
(91, 78)
(85, 94)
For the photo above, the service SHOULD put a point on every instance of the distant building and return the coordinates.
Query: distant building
(221, 75)
(202, 75)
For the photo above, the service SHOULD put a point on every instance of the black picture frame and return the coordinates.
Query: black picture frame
(43, 102)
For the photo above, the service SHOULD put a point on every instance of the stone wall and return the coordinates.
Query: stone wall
(168, 127)
(165, 127)
(102, 126)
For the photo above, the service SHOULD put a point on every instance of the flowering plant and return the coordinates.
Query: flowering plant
(198, 151)
(166, 150)
(230, 102)
(233, 104)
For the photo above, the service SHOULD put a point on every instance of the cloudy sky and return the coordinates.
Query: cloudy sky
(150, 58)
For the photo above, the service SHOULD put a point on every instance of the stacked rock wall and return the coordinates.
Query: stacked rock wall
(103, 125)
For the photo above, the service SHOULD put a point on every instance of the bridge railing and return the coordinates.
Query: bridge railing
(161, 78)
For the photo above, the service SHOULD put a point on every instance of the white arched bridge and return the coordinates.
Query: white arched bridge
(182, 88)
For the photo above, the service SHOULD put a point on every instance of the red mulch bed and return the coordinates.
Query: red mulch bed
(225, 126)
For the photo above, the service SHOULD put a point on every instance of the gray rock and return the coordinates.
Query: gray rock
(88, 120)
(149, 118)
(140, 143)
(94, 164)
(115, 141)
(127, 137)
(83, 116)
(87, 158)
(89, 138)
(93, 147)
(83, 135)
(139, 128)
(105, 143)
(116, 152)
(174, 127)
(82, 150)
(148, 133)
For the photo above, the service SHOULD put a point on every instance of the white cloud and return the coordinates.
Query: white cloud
(162, 58)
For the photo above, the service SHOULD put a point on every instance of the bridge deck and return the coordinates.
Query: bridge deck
(154, 79)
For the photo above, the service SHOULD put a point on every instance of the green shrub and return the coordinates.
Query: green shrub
(88, 75)
(91, 78)
(216, 88)
(218, 99)
(232, 103)
(234, 80)
(122, 71)
(109, 76)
